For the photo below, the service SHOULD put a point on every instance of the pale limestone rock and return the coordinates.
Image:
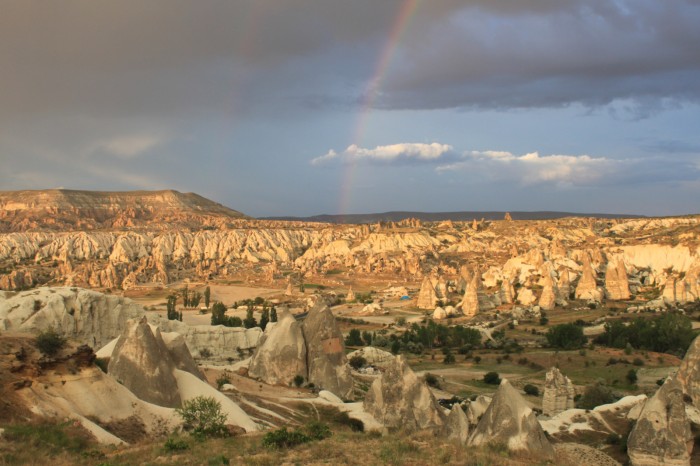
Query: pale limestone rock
(374, 356)
(142, 363)
(477, 408)
(439, 314)
(372, 309)
(688, 374)
(587, 287)
(507, 217)
(470, 301)
(289, 291)
(526, 297)
(510, 421)
(507, 292)
(281, 354)
(563, 286)
(662, 435)
(616, 282)
(669, 292)
(456, 425)
(400, 400)
(559, 393)
(180, 353)
(325, 349)
(548, 297)
(427, 298)
(350, 296)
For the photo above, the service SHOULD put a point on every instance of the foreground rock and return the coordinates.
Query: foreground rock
(427, 297)
(662, 434)
(457, 426)
(325, 350)
(142, 363)
(510, 421)
(400, 400)
(281, 355)
(688, 374)
(559, 393)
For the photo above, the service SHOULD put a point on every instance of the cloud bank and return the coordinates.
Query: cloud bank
(390, 154)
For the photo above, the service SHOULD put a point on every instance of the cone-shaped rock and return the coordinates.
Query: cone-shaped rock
(456, 425)
(510, 421)
(427, 298)
(662, 433)
(470, 301)
(142, 363)
(688, 374)
(400, 400)
(616, 283)
(547, 298)
(559, 393)
(587, 287)
(325, 352)
(351, 296)
(180, 353)
(281, 353)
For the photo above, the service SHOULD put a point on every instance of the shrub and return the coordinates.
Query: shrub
(203, 416)
(223, 379)
(531, 390)
(298, 380)
(631, 377)
(595, 395)
(55, 437)
(431, 380)
(492, 378)
(283, 438)
(449, 358)
(205, 353)
(638, 362)
(173, 444)
(50, 342)
(318, 430)
(357, 362)
(477, 359)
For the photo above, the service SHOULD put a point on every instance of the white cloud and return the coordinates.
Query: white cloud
(393, 153)
(532, 168)
(128, 146)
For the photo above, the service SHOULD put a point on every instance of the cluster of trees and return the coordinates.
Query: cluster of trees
(192, 299)
(171, 310)
(419, 337)
(670, 333)
(566, 336)
(219, 317)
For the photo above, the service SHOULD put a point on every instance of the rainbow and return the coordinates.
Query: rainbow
(403, 18)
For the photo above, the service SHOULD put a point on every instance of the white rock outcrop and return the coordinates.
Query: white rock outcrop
(559, 393)
(510, 421)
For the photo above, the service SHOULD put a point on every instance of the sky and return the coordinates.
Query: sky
(304, 107)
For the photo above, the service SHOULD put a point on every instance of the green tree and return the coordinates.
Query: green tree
(631, 377)
(566, 336)
(170, 307)
(218, 313)
(203, 416)
(249, 321)
(595, 395)
(354, 338)
(367, 338)
(492, 378)
(207, 296)
(185, 297)
(50, 342)
(273, 314)
(264, 318)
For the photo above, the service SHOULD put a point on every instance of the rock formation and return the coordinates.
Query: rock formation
(281, 354)
(180, 354)
(688, 374)
(400, 400)
(427, 298)
(510, 421)
(325, 350)
(662, 434)
(587, 287)
(559, 393)
(548, 297)
(350, 296)
(142, 363)
(374, 356)
(456, 425)
(470, 301)
(616, 282)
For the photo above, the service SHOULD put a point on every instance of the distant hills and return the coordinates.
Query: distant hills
(396, 216)
(66, 209)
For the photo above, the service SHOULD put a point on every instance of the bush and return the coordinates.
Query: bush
(531, 390)
(298, 380)
(357, 362)
(173, 444)
(203, 416)
(566, 336)
(223, 379)
(631, 377)
(638, 362)
(50, 342)
(492, 378)
(449, 358)
(431, 380)
(318, 430)
(282, 438)
(595, 395)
